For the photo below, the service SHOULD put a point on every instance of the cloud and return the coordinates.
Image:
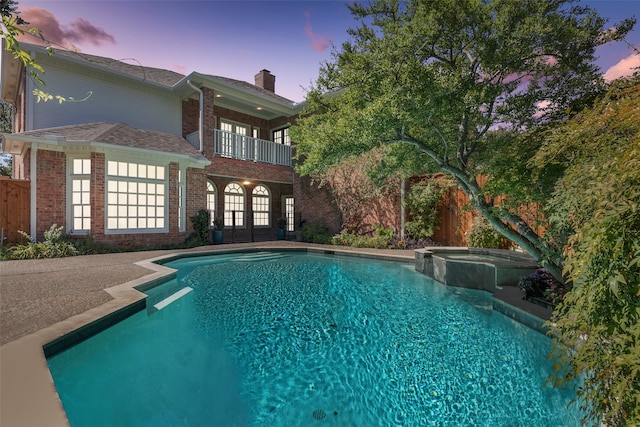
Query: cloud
(623, 68)
(318, 42)
(79, 31)
(180, 69)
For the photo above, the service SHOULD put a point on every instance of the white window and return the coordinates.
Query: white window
(136, 197)
(289, 212)
(181, 202)
(234, 205)
(212, 195)
(261, 202)
(234, 139)
(80, 196)
(281, 136)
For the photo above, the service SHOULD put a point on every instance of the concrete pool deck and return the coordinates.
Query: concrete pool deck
(42, 300)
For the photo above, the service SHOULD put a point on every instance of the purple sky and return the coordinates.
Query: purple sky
(237, 39)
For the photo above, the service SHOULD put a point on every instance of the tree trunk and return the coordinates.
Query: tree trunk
(513, 227)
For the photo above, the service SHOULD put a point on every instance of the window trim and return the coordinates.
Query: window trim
(71, 177)
(291, 219)
(235, 125)
(284, 137)
(165, 181)
(182, 198)
(244, 205)
(268, 204)
(214, 213)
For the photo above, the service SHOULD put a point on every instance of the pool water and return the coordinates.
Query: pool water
(296, 339)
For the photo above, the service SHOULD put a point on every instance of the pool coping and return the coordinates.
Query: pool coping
(28, 395)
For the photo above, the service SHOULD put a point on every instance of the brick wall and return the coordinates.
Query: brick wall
(196, 191)
(244, 170)
(362, 205)
(315, 204)
(51, 188)
(209, 121)
(98, 187)
(190, 116)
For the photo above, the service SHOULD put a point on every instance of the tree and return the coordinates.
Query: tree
(12, 27)
(597, 326)
(437, 79)
(423, 201)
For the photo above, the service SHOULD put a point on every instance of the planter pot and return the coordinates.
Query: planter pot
(282, 234)
(218, 237)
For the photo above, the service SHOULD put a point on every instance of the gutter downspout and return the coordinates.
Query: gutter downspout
(201, 118)
(34, 183)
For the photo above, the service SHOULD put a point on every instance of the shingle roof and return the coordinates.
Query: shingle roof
(155, 75)
(119, 134)
(246, 85)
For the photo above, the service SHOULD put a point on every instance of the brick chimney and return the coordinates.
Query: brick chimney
(266, 80)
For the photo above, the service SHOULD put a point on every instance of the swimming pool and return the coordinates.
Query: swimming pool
(296, 339)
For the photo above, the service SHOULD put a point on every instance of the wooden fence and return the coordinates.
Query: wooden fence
(457, 216)
(455, 219)
(14, 210)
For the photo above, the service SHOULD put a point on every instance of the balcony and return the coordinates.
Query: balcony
(242, 147)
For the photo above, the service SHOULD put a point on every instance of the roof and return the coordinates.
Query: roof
(119, 134)
(237, 95)
(156, 75)
(131, 68)
(251, 87)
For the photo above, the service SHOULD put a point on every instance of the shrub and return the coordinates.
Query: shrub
(52, 247)
(200, 235)
(218, 223)
(315, 233)
(483, 235)
(87, 246)
(537, 283)
(423, 201)
(383, 239)
(282, 223)
(596, 328)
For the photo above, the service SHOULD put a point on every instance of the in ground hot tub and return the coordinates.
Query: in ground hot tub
(485, 269)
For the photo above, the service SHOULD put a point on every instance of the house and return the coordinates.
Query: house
(135, 151)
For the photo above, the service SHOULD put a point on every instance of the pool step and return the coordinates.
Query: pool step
(239, 257)
(172, 298)
(164, 295)
(260, 256)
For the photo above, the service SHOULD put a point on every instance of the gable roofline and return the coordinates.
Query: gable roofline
(156, 78)
(106, 136)
(239, 91)
(10, 75)
(153, 77)
(160, 79)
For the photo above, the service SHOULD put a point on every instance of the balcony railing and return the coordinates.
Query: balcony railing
(236, 146)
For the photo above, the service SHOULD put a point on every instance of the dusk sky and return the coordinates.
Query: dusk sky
(237, 39)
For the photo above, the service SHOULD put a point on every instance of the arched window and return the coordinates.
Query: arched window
(261, 204)
(234, 204)
(212, 197)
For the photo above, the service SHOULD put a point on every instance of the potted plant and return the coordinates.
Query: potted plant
(218, 230)
(282, 229)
